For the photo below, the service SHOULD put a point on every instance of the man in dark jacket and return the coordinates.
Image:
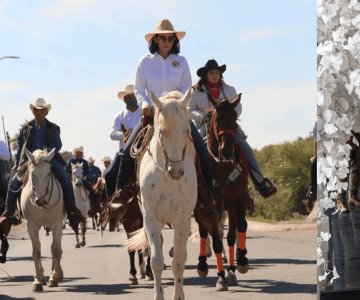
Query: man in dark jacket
(39, 133)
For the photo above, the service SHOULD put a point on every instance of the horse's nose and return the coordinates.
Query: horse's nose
(175, 174)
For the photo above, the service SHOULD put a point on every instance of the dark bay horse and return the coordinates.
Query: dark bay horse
(230, 173)
(130, 215)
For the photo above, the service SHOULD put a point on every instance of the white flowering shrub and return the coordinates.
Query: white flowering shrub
(338, 105)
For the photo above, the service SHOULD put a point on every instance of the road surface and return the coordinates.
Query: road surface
(282, 266)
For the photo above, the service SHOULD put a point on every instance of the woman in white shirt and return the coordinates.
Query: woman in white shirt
(211, 83)
(162, 71)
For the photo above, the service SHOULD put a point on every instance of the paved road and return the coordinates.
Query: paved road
(282, 266)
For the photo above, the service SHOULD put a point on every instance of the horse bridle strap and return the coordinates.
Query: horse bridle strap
(227, 131)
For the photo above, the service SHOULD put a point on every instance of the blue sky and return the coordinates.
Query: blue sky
(77, 54)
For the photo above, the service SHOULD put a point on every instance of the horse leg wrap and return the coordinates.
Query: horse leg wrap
(231, 256)
(242, 240)
(219, 262)
(202, 265)
(203, 242)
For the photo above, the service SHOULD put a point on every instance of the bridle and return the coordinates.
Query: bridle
(223, 132)
(41, 201)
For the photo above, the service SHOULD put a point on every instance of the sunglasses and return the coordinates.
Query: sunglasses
(164, 38)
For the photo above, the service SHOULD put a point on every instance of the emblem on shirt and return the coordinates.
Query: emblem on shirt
(175, 63)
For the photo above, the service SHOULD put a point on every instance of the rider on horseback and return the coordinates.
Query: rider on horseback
(211, 84)
(164, 70)
(39, 133)
(124, 122)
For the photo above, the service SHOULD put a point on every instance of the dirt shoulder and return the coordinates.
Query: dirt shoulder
(281, 226)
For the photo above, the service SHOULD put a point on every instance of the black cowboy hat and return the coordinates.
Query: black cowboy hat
(210, 65)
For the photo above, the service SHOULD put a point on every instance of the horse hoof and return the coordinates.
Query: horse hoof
(77, 246)
(37, 287)
(202, 274)
(171, 252)
(231, 279)
(141, 276)
(83, 243)
(133, 280)
(53, 283)
(43, 281)
(243, 269)
(221, 285)
(149, 276)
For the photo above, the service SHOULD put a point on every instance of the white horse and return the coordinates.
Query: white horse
(168, 187)
(82, 199)
(42, 204)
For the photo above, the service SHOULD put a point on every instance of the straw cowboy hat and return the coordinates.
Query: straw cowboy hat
(129, 89)
(78, 149)
(40, 103)
(91, 159)
(210, 65)
(106, 158)
(164, 26)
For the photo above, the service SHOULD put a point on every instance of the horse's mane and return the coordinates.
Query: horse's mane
(172, 106)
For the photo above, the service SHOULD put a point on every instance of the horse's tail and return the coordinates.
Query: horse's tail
(137, 240)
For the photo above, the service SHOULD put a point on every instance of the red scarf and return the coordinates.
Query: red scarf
(214, 89)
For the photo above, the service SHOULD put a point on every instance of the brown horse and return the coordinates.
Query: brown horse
(230, 173)
(130, 215)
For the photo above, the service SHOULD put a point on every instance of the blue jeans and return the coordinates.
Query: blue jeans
(111, 174)
(255, 171)
(14, 189)
(127, 162)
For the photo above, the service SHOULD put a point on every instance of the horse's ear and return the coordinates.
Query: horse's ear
(51, 154)
(236, 100)
(29, 155)
(186, 99)
(156, 100)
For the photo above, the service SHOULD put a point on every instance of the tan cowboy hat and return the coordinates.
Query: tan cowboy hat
(78, 149)
(129, 89)
(40, 103)
(164, 26)
(91, 159)
(106, 158)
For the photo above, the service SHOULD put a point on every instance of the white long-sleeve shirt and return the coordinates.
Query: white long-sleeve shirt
(161, 76)
(129, 120)
(4, 151)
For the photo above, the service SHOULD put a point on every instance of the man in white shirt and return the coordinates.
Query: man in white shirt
(123, 124)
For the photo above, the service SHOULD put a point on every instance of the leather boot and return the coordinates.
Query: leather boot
(75, 218)
(266, 188)
(353, 187)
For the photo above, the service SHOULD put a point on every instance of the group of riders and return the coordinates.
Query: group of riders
(161, 71)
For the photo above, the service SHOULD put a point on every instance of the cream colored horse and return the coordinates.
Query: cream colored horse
(42, 204)
(82, 199)
(168, 187)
